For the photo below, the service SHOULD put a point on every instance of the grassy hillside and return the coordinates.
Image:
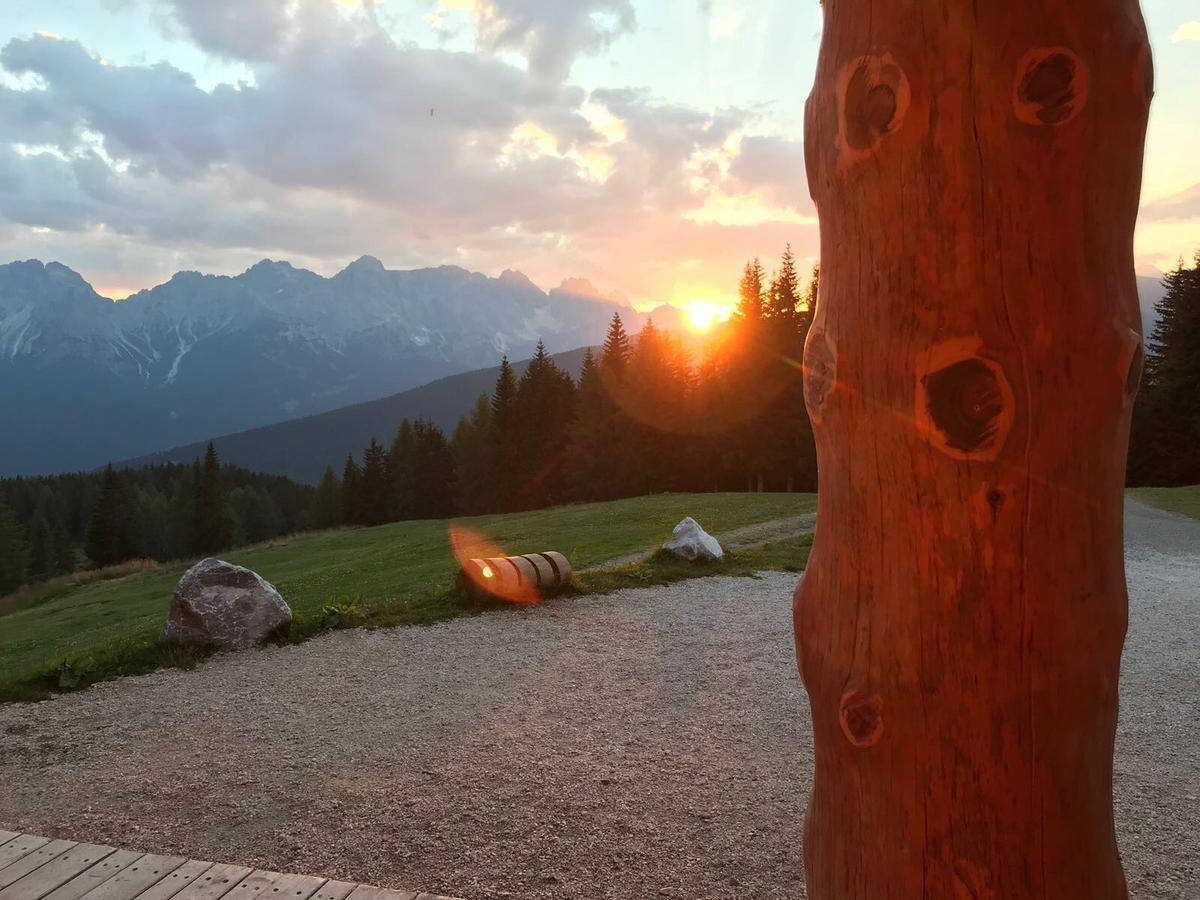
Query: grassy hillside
(398, 574)
(1183, 501)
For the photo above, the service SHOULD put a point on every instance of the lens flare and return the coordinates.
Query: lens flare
(488, 569)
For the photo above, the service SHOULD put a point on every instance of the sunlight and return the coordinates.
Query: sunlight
(701, 317)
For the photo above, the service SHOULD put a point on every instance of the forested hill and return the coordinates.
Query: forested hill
(302, 448)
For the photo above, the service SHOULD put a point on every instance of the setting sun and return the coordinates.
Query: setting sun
(703, 316)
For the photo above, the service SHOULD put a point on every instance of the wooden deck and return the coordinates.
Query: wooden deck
(38, 868)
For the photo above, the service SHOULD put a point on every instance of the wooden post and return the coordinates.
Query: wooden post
(970, 377)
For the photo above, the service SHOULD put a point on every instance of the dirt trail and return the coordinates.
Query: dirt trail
(738, 539)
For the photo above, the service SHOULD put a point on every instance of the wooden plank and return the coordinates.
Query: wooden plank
(18, 847)
(334, 890)
(6, 836)
(276, 886)
(215, 883)
(177, 881)
(97, 874)
(133, 878)
(367, 892)
(30, 861)
(44, 879)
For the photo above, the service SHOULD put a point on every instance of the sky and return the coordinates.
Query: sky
(649, 146)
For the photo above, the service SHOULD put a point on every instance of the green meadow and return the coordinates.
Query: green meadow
(399, 574)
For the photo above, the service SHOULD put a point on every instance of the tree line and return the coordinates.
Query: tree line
(54, 525)
(644, 417)
(1165, 447)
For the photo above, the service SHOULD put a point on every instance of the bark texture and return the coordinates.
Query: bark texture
(970, 376)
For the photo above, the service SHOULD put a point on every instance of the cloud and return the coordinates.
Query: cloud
(774, 168)
(1183, 205)
(344, 142)
(249, 30)
(1188, 31)
(551, 33)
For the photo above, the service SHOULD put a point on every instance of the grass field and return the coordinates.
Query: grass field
(397, 574)
(1184, 501)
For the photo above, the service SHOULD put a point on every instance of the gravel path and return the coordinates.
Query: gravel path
(649, 743)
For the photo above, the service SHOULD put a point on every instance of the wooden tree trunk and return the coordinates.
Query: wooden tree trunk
(970, 377)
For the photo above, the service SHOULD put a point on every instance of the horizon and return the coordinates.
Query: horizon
(589, 145)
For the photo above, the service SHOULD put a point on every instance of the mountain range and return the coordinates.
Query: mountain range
(85, 380)
(301, 448)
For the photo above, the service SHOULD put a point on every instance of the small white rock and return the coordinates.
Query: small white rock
(691, 542)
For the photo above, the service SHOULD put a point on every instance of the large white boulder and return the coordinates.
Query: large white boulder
(218, 603)
(691, 542)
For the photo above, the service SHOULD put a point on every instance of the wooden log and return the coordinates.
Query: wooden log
(970, 376)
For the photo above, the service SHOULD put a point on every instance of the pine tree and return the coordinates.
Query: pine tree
(400, 462)
(614, 357)
(750, 293)
(42, 562)
(64, 551)
(431, 477)
(111, 538)
(472, 444)
(584, 460)
(375, 489)
(505, 465)
(352, 513)
(784, 299)
(1165, 448)
(212, 528)
(13, 551)
(545, 400)
(656, 401)
(326, 510)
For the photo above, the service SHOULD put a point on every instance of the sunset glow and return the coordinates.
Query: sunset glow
(702, 316)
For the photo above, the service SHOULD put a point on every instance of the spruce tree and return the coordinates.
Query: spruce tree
(13, 551)
(42, 562)
(505, 465)
(64, 550)
(352, 513)
(431, 477)
(614, 357)
(472, 444)
(111, 538)
(750, 293)
(326, 509)
(1165, 447)
(400, 461)
(212, 524)
(584, 458)
(545, 400)
(784, 298)
(375, 497)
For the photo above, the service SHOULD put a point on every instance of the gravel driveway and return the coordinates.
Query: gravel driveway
(649, 743)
